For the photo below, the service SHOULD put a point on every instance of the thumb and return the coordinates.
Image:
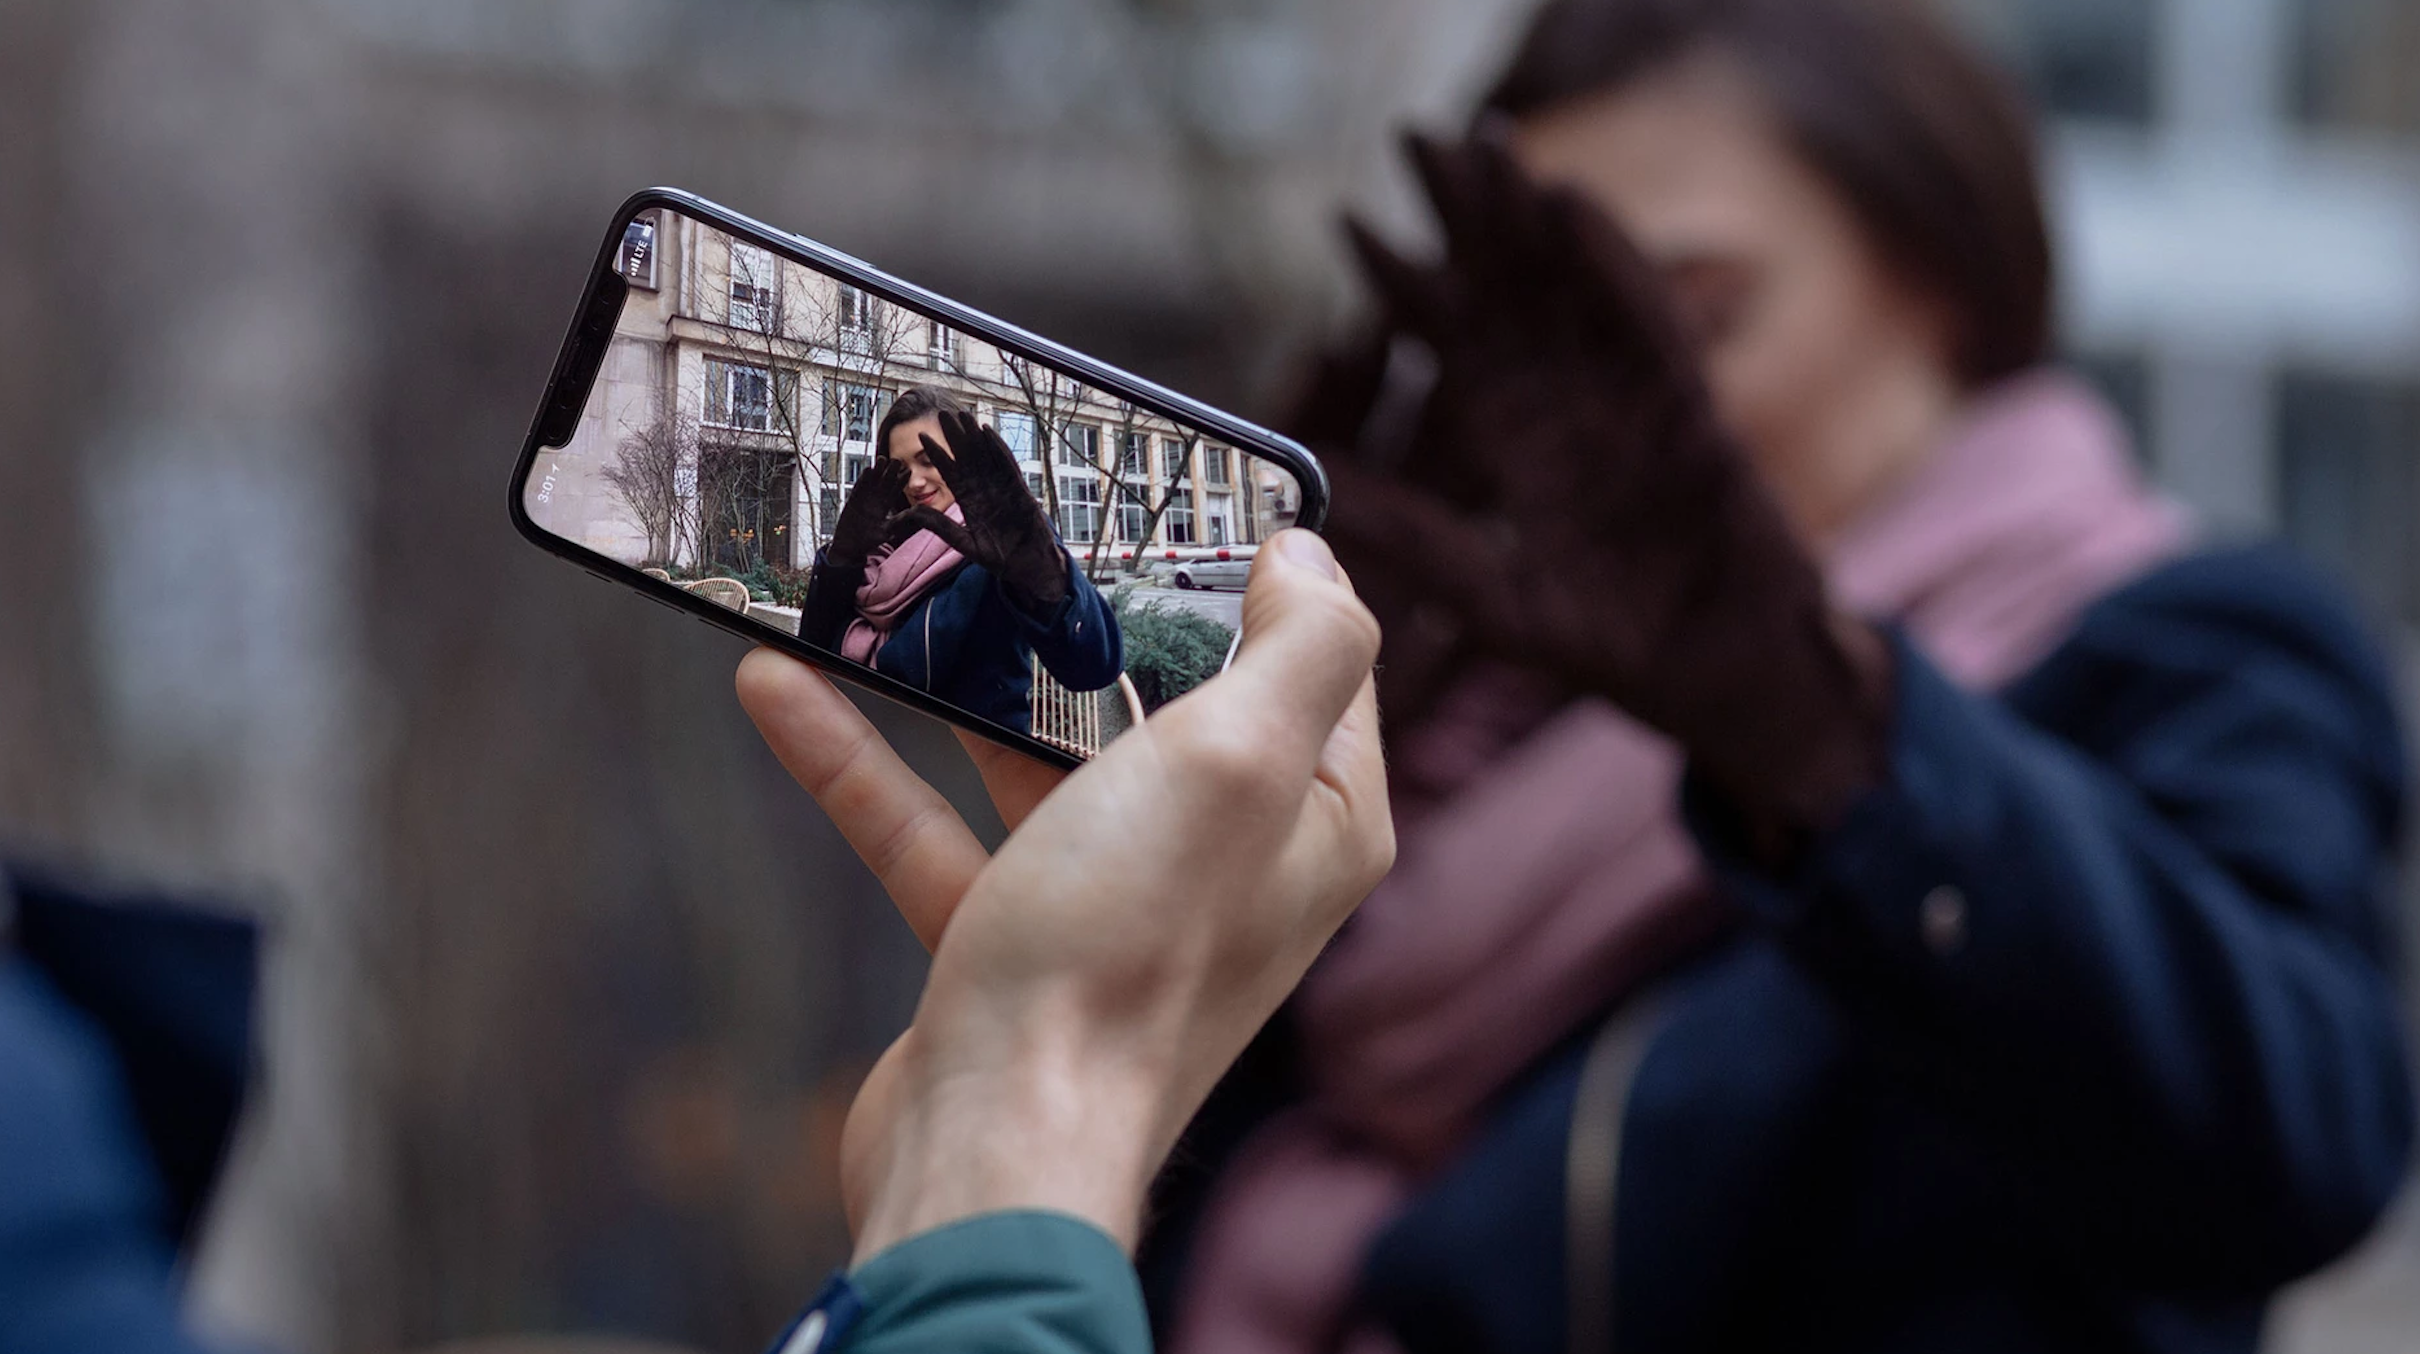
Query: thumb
(1308, 644)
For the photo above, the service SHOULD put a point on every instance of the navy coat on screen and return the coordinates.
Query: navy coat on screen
(125, 1046)
(972, 646)
(2079, 1035)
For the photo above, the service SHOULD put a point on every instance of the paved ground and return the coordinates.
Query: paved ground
(1227, 608)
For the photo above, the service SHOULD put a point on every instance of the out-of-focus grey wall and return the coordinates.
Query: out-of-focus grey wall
(573, 985)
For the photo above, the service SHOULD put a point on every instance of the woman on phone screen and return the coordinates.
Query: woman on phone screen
(943, 572)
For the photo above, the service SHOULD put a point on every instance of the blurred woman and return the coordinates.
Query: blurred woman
(1868, 882)
(944, 573)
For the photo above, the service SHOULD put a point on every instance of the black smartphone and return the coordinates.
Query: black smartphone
(723, 392)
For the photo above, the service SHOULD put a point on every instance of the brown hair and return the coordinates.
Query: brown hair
(1930, 147)
(913, 403)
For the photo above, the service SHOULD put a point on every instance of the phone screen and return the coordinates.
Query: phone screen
(1100, 550)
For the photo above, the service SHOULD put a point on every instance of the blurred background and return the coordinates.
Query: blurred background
(573, 986)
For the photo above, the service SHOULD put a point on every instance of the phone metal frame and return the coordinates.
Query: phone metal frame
(583, 352)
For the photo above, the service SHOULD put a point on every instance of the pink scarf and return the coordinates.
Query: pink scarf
(896, 578)
(1557, 876)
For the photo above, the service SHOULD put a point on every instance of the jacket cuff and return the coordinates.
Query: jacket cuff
(1025, 1280)
(1057, 615)
(1895, 869)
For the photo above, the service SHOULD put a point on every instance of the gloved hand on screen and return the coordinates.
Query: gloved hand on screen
(1005, 530)
(868, 520)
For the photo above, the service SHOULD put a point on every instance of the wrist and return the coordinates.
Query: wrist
(1828, 752)
(1016, 1120)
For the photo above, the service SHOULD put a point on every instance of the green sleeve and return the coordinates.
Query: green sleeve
(1002, 1283)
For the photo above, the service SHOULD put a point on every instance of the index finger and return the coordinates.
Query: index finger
(908, 835)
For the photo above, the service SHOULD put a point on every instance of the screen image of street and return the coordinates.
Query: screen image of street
(987, 529)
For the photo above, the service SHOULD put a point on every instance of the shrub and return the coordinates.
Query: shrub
(1169, 651)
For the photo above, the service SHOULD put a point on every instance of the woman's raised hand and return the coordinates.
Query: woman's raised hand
(867, 520)
(1093, 980)
(1572, 499)
(1005, 530)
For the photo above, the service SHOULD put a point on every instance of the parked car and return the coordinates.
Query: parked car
(1226, 566)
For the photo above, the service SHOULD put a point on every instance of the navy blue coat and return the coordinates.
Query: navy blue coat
(2153, 1072)
(125, 1046)
(973, 647)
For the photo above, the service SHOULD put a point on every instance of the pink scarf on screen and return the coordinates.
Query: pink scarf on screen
(896, 578)
(1552, 874)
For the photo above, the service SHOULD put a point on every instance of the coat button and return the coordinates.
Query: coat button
(1941, 920)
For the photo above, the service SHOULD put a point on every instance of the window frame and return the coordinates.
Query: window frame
(1089, 434)
(764, 299)
(722, 394)
(834, 422)
(1087, 504)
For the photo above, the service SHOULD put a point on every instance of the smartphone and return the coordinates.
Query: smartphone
(725, 388)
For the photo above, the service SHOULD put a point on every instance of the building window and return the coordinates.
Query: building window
(2088, 59)
(849, 411)
(1214, 467)
(739, 395)
(942, 345)
(1033, 484)
(635, 260)
(1177, 523)
(1017, 430)
(755, 289)
(1134, 516)
(1133, 454)
(856, 320)
(1079, 509)
(1080, 444)
(1175, 459)
(1219, 512)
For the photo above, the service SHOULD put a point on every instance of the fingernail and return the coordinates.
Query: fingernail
(1305, 550)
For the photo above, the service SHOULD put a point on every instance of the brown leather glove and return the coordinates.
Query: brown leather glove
(1572, 499)
(866, 520)
(1364, 404)
(1005, 530)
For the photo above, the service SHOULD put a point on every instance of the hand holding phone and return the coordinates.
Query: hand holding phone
(1093, 979)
